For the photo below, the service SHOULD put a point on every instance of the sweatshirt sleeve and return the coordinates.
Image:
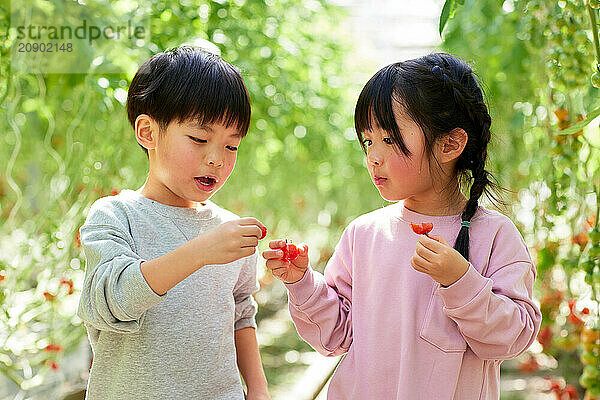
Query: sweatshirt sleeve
(246, 285)
(115, 294)
(496, 313)
(321, 306)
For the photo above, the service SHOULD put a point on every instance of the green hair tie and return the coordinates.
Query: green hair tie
(466, 224)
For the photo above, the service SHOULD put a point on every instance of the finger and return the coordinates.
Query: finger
(277, 244)
(303, 247)
(431, 244)
(418, 263)
(251, 221)
(251, 230)
(425, 253)
(248, 251)
(279, 271)
(274, 264)
(413, 265)
(249, 241)
(439, 239)
(272, 254)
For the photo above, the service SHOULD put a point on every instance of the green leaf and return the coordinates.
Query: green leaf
(581, 124)
(447, 13)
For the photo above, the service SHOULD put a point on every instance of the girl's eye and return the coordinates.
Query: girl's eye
(388, 140)
(367, 142)
(232, 148)
(197, 140)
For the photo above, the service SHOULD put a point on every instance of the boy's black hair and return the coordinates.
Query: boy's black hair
(186, 83)
(439, 93)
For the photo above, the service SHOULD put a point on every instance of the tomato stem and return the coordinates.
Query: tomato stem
(592, 14)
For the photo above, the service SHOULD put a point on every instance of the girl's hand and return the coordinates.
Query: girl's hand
(287, 271)
(436, 258)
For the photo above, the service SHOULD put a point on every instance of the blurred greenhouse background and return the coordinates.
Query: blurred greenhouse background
(65, 141)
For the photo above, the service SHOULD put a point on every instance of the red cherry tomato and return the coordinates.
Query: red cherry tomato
(49, 296)
(422, 229)
(264, 232)
(572, 392)
(290, 252)
(52, 347)
(52, 364)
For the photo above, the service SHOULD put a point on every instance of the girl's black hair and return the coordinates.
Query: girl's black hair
(440, 93)
(185, 83)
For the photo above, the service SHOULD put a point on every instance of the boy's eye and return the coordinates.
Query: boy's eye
(232, 148)
(197, 140)
(367, 142)
(388, 140)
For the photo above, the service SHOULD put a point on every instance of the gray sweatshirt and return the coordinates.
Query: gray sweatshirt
(176, 346)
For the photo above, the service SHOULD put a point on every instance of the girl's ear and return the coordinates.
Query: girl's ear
(146, 131)
(451, 146)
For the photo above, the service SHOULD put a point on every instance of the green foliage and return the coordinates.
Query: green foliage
(448, 11)
(537, 58)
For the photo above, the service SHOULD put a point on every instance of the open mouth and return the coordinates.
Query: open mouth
(205, 182)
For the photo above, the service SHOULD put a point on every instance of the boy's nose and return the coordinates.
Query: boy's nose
(214, 163)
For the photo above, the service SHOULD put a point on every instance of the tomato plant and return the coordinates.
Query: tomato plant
(541, 67)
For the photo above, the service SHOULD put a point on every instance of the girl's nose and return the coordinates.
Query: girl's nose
(374, 158)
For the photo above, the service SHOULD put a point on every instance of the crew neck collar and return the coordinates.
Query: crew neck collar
(404, 214)
(205, 211)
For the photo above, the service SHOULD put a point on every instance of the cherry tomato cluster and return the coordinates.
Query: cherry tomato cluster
(562, 391)
(290, 252)
(561, 27)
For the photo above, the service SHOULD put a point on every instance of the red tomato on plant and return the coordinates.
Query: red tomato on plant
(422, 229)
(49, 296)
(545, 337)
(530, 366)
(572, 392)
(68, 283)
(54, 348)
(52, 364)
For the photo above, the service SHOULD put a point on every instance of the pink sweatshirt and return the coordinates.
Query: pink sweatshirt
(407, 337)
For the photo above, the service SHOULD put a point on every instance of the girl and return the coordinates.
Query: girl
(418, 318)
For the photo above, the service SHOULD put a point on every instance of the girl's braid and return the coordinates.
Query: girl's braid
(475, 154)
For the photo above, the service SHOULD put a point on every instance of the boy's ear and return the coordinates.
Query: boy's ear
(452, 145)
(146, 131)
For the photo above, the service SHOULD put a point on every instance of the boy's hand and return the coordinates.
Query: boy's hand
(257, 396)
(229, 241)
(287, 271)
(436, 258)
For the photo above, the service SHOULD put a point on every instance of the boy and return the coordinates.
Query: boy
(167, 298)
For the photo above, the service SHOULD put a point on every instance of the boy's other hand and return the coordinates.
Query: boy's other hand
(287, 271)
(229, 241)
